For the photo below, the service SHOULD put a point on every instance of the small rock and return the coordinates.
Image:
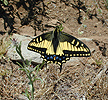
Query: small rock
(2, 25)
(20, 97)
(27, 30)
(27, 54)
(73, 61)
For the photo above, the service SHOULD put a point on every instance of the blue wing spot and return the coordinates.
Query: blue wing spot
(57, 58)
(47, 57)
(60, 59)
(64, 57)
(51, 57)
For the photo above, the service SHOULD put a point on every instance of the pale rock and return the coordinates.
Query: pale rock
(27, 54)
(20, 97)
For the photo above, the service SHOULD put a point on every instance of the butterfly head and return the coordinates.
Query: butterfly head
(59, 28)
(57, 31)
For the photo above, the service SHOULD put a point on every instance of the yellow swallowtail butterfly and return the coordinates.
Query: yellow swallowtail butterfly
(57, 47)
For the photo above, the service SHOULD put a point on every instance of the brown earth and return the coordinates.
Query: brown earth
(87, 78)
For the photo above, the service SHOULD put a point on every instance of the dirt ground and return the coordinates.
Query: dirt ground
(87, 79)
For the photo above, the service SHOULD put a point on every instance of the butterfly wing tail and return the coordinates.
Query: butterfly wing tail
(60, 67)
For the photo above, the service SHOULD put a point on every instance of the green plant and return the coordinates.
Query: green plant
(98, 7)
(106, 3)
(98, 62)
(60, 27)
(5, 2)
(28, 69)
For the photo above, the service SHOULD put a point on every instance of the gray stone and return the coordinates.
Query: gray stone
(27, 54)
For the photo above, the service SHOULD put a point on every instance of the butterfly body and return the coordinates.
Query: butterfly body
(57, 47)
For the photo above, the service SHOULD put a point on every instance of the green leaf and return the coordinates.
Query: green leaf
(5, 2)
(19, 64)
(100, 11)
(27, 94)
(61, 27)
(107, 2)
(22, 69)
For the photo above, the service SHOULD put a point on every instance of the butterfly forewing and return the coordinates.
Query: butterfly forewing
(73, 46)
(41, 44)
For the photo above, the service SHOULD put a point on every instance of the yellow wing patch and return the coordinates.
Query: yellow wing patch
(73, 41)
